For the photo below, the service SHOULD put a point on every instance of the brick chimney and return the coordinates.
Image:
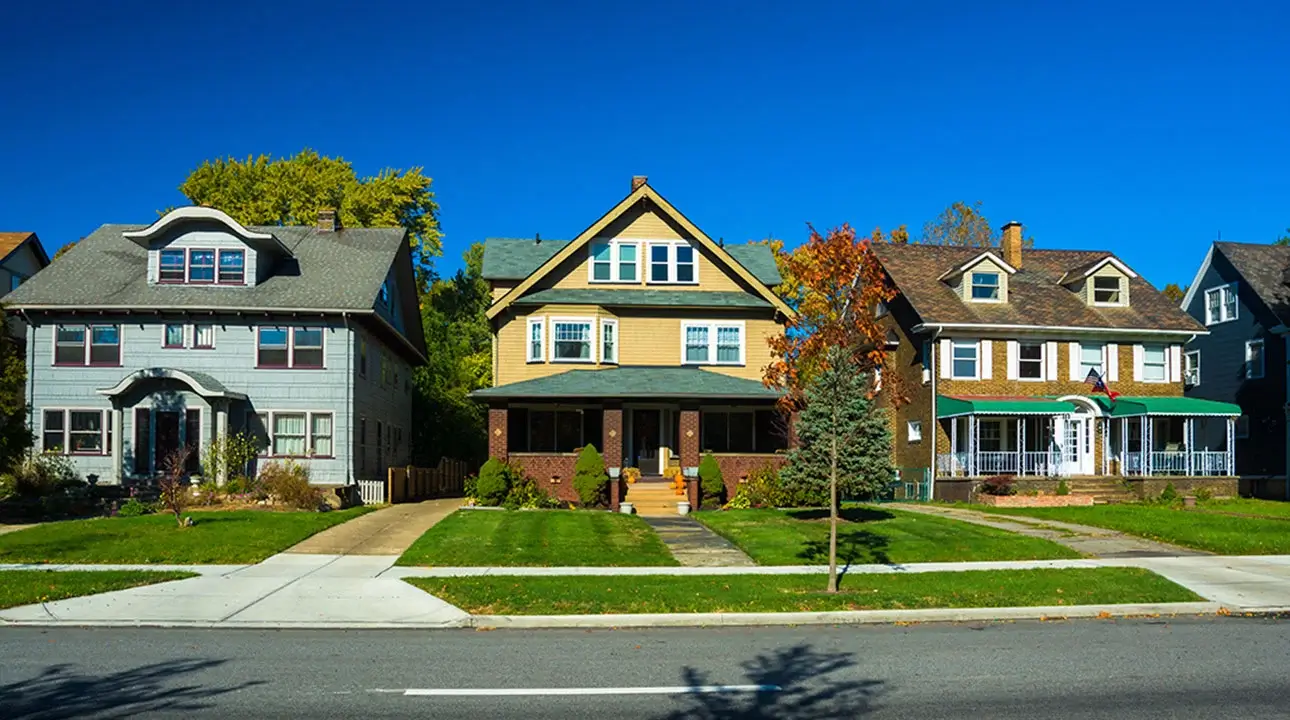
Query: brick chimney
(327, 220)
(1012, 244)
(637, 181)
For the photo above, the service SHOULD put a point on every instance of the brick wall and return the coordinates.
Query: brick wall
(497, 441)
(904, 374)
(1152, 487)
(999, 384)
(541, 467)
(736, 467)
(689, 431)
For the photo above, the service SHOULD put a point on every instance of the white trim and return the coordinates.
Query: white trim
(1092, 407)
(1263, 359)
(976, 261)
(1195, 367)
(194, 212)
(540, 321)
(615, 261)
(1122, 287)
(712, 327)
(987, 359)
(1056, 328)
(671, 246)
(1195, 282)
(172, 373)
(1074, 360)
(1225, 290)
(1111, 259)
(609, 322)
(999, 287)
(1050, 359)
(589, 321)
(105, 430)
(976, 344)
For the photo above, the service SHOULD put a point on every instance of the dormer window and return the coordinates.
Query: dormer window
(201, 266)
(173, 265)
(232, 267)
(1108, 290)
(985, 286)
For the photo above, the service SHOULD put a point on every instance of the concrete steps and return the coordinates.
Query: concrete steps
(653, 498)
(1104, 491)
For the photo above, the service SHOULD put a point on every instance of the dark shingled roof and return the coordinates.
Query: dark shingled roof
(1262, 267)
(634, 382)
(610, 297)
(341, 270)
(1034, 296)
(517, 258)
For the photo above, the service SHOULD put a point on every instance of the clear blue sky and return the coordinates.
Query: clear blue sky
(1144, 127)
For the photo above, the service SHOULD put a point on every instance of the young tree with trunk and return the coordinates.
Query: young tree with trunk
(834, 333)
(964, 225)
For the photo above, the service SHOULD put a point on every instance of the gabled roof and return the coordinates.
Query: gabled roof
(1093, 266)
(1262, 267)
(1035, 297)
(517, 258)
(11, 241)
(987, 255)
(647, 194)
(634, 382)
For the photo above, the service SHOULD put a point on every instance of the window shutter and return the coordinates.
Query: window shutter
(987, 359)
(1112, 361)
(1013, 352)
(1137, 363)
(1050, 358)
(945, 358)
(1175, 363)
(1073, 360)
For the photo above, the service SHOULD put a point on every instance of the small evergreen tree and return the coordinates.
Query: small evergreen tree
(493, 483)
(590, 479)
(711, 484)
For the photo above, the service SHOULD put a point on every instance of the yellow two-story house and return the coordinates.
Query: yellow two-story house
(642, 336)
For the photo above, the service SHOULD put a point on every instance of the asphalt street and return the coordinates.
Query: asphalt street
(1232, 668)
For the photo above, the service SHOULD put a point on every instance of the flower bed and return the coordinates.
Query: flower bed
(1035, 500)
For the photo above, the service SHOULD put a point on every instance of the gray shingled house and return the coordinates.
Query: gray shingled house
(145, 339)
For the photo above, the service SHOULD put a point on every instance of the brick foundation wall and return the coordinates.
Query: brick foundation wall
(736, 467)
(497, 440)
(1152, 487)
(953, 490)
(541, 467)
(963, 489)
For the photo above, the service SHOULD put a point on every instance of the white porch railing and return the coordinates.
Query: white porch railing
(1204, 463)
(1006, 462)
(372, 491)
(1168, 462)
(1209, 462)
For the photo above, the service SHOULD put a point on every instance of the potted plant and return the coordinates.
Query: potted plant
(631, 474)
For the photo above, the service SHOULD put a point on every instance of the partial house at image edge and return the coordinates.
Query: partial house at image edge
(21, 257)
(144, 339)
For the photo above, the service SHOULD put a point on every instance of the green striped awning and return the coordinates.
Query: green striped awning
(1186, 406)
(948, 407)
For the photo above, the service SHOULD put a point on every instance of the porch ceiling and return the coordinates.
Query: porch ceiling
(948, 407)
(633, 382)
(1182, 406)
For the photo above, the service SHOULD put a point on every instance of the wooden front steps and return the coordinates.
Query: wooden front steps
(653, 497)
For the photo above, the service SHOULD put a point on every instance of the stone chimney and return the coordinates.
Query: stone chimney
(637, 181)
(327, 220)
(1012, 244)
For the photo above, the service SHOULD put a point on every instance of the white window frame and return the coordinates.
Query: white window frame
(1263, 360)
(972, 285)
(1101, 363)
(615, 260)
(196, 333)
(1191, 368)
(592, 353)
(269, 424)
(105, 430)
(976, 362)
(1043, 360)
(605, 357)
(1120, 289)
(183, 331)
(713, 326)
(1164, 363)
(671, 246)
(540, 322)
(1226, 294)
(914, 431)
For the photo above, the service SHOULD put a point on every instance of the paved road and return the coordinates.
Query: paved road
(1233, 668)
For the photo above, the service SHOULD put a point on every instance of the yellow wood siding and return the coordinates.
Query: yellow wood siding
(501, 287)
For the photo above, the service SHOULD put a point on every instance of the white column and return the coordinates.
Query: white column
(1021, 443)
(118, 464)
(1188, 439)
(1231, 447)
(954, 446)
(976, 445)
(221, 432)
(1146, 445)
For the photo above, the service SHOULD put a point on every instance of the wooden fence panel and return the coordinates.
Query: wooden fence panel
(411, 484)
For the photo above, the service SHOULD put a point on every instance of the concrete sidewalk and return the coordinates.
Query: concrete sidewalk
(388, 531)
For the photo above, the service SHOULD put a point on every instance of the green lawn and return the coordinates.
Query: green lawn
(1249, 506)
(475, 538)
(25, 587)
(871, 535)
(234, 537)
(1212, 531)
(496, 595)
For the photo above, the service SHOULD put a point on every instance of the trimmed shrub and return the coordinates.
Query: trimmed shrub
(134, 508)
(41, 474)
(590, 479)
(1063, 488)
(999, 485)
(764, 487)
(494, 482)
(1169, 495)
(288, 482)
(471, 486)
(711, 484)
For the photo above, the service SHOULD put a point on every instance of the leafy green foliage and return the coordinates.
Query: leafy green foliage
(1203, 494)
(495, 480)
(1169, 495)
(291, 190)
(134, 507)
(42, 474)
(526, 495)
(1063, 488)
(590, 479)
(230, 454)
(288, 482)
(15, 437)
(711, 484)
(1174, 292)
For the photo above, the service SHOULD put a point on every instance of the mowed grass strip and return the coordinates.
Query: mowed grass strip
(542, 538)
(1211, 531)
(869, 534)
(220, 537)
(1248, 506)
(497, 595)
(26, 587)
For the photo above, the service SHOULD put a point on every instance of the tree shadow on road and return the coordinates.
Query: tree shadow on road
(813, 684)
(61, 691)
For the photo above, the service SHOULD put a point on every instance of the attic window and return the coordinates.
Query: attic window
(985, 286)
(1107, 290)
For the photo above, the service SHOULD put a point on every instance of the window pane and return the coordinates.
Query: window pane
(71, 334)
(627, 262)
(172, 266)
(740, 432)
(232, 264)
(86, 431)
(70, 346)
(204, 336)
(288, 434)
(728, 343)
(714, 431)
(1154, 355)
(273, 347)
(600, 252)
(600, 261)
(572, 341)
(201, 265)
(1030, 365)
(174, 336)
(684, 263)
(105, 345)
(985, 286)
(275, 337)
(541, 431)
(609, 339)
(568, 430)
(52, 435)
(322, 434)
(307, 351)
(658, 269)
(696, 344)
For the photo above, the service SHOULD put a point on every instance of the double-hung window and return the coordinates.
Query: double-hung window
(571, 341)
(1254, 359)
(289, 434)
(1107, 290)
(985, 286)
(232, 267)
(296, 433)
(1191, 368)
(964, 355)
(712, 343)
(536, 328)
(87, 345)
(69, 345)
(615, 261)
(172, 267)
(296, 347)
(673, 262)
(1030, 361)
(76, 432)
(1090, 359)
(306, 347)
(201, 266)
(105, 345)
(1220, 304)
(608, 341)
(1155, 363)
(203, 337)
(173, 336)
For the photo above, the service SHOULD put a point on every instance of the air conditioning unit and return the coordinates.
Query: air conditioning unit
(1191, 377)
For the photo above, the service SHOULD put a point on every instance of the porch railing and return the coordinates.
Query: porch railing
(1174, 462)
(1007, 462)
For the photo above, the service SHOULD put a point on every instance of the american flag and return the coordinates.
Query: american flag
(1099, 385)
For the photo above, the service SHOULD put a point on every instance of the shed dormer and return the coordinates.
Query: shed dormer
(983, 279)
(205, 247)
(1101, 283)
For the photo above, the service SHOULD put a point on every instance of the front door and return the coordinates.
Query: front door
(1077, 446)
(167, 439)
(647, 436)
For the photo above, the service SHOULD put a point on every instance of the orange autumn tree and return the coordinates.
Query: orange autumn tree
(825, 364)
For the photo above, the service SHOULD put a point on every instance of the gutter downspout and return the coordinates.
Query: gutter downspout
(350, 347)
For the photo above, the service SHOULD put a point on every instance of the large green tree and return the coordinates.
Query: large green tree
(964, 224)
(265, 190)
(15, 437)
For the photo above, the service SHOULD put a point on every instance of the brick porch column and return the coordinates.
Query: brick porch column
(612, 439)
(497, 441)
(689, 438)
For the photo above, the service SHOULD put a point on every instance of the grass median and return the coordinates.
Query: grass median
(870, 534)
(26, 587)
(497, 595)
(218, 537)
(543, 538)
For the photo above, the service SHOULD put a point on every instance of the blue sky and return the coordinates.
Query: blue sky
(1147, 128)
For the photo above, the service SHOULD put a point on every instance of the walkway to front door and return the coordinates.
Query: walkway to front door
(694, 545)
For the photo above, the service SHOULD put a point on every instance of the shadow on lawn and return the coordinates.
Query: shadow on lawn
(813, 684)
(856, 546)
(60, 691)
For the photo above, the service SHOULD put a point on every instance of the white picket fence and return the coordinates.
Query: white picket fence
(372, 491)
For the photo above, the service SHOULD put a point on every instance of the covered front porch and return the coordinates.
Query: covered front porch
(1084, 436)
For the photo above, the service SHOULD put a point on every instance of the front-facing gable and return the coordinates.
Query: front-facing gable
(643, 242)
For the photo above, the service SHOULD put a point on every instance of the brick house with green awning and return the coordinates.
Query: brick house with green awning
(642, 336)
